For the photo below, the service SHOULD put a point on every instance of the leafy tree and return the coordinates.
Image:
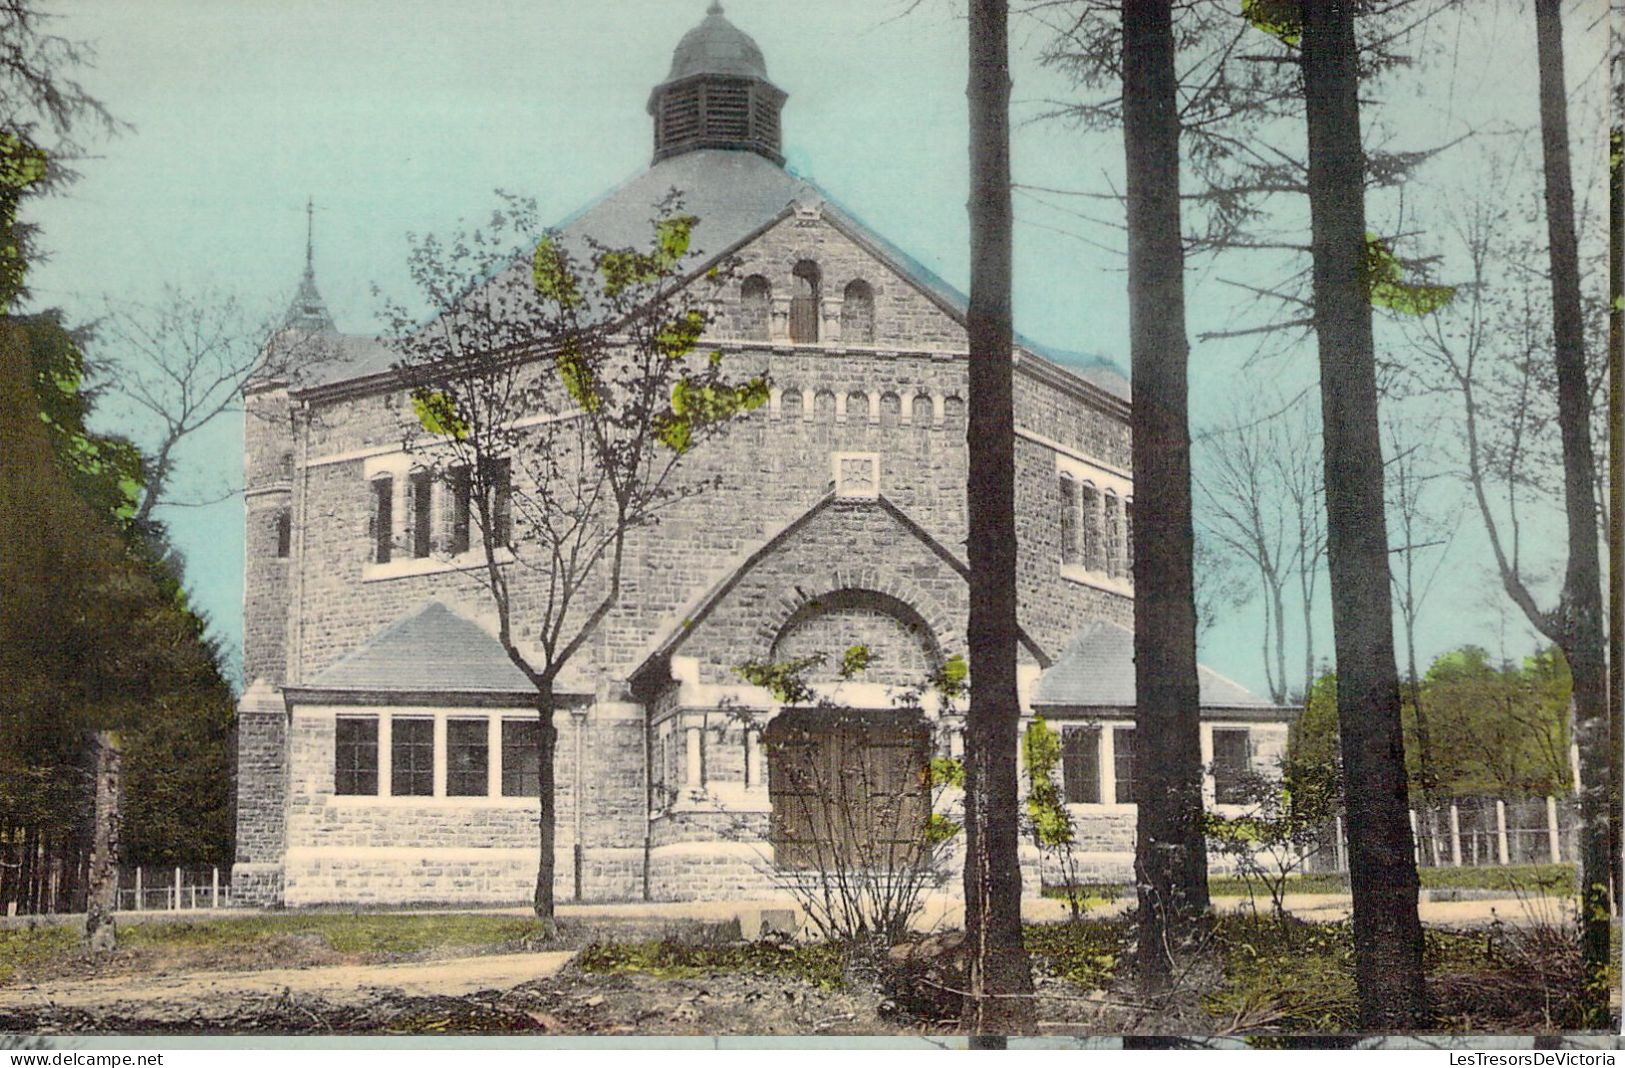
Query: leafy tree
(998, 1000)
(1046, 811)
(564, 384)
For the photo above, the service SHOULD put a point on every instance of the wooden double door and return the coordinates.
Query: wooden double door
(850, 788)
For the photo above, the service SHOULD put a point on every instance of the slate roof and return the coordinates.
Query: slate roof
(1097, 671)
(734, 194)
(430, 649)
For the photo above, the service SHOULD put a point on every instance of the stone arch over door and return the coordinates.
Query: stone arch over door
(900, 624)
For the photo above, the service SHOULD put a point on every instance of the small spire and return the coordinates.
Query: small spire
(310, 235)
(715, 8)
(308, 312)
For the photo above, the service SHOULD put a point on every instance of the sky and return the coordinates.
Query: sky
(404, 116)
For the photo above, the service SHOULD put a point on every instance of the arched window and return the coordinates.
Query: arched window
(790, 404)
(923, 414)
(755, 308)
(1093, 548)
(858, 313)
(1069, 519)
(804, 304)
(824, 406)
(284, 533)
(1128, 537)
(857, 407)
(953, 413)
(1114, 536)
(891, 409)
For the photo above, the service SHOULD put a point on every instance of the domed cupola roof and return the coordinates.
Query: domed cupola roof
(717, 46)
(717, 94)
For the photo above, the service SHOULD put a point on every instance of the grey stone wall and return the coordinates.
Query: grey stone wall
(902, 397)
(262, 776)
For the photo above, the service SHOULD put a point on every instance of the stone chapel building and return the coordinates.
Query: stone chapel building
(383, 735)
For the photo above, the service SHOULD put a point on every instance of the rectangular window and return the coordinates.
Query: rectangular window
(468, 747)
(521, 741)
(1080, 765)
(419, 508)
(458, 490)
(1123, 762)
(498, 492)
(383, 518)
(355, 755)
(411, 757)
(1232, 763)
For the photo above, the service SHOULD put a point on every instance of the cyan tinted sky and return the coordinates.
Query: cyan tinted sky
(404, 115)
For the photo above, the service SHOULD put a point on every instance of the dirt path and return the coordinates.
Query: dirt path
(338, 985)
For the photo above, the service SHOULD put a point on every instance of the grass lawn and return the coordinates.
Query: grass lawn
(266, 941)
(1525, 879)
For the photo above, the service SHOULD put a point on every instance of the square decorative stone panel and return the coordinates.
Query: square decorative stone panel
(857, 475)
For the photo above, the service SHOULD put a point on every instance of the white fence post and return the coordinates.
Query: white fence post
(1339, 850)
(1416, 841)
(1553, 839)
(177, 889)
(214, 888)
(1501, 831)
(138, 888)
(1455, 835)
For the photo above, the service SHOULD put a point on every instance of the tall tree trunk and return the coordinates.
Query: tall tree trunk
(1382, 861)
(1000, 978)
(547, 803)
(1616, 503)
(1170, 849)
(101, 934)
(1581, 604)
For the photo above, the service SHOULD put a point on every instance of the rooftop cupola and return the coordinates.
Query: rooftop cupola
(717, 94)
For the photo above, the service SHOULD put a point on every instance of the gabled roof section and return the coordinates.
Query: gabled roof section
(430, 650)
(1097, 671)
(736, 196)
(688, 618)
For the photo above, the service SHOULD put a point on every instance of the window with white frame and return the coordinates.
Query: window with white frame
(355, 755)
(420, 512)
(449, 755)
(1232, 764)
(411, 756)
(1096, 523)
(1080, 765)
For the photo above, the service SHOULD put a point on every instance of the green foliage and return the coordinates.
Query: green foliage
(854, 661)
(786, 680)
(552, 275)
(106, 472)
(1285, 975)
(437, 413)
(1281, 19)
(947, 772)
(940, 828)
(21, 165)
(96, 633)
(699, 405)
(1041, 751)
(949, 680)
(821, 964)
(1498, 731)
(1086, 952)
(1387, 288)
